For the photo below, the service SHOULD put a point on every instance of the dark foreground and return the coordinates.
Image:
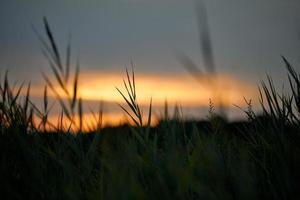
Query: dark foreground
(258, 159)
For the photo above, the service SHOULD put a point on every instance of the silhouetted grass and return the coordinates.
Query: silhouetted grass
(254, 159)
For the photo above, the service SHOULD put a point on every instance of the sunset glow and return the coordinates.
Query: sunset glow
(181, 89)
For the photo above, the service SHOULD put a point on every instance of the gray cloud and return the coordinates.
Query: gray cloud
(247, 36)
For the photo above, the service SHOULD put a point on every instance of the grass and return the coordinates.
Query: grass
(254, 159)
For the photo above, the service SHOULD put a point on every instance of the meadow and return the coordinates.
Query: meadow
(257, 158)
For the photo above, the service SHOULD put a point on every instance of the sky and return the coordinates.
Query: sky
(247, 38)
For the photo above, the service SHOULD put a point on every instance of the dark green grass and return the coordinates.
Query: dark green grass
(178, 160)
(258, 158)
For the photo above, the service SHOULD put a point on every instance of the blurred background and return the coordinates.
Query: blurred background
(247, 39)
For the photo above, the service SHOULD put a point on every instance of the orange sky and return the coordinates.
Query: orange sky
(176, 88)
(180, 88)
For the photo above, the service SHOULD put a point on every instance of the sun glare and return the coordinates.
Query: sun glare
(176, 89)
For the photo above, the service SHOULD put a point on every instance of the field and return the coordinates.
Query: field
(257, 158)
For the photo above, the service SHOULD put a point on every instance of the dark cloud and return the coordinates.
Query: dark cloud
(247, 36)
